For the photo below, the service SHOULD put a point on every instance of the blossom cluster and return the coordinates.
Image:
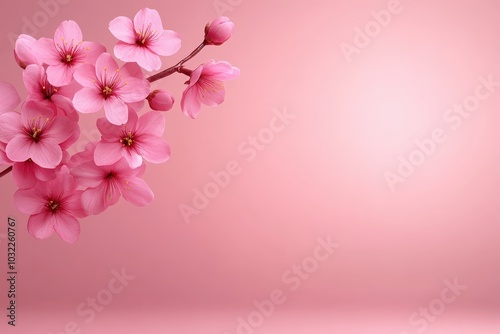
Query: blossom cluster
(65, 77)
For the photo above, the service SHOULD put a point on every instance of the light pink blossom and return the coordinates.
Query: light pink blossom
(161, 100)
(66, 52)
(219, 31)
(144, 39)
(105, 85)
(135, 140)
(206, 86)
(53, 206)
(105, 185)
(35, 134)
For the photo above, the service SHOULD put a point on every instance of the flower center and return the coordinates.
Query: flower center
(145, 36)
(53, 205)
(35, 127)
(107, 91)
(69, 58)
(127, 140)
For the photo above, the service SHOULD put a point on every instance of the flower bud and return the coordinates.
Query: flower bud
(22, 51)
(160, 100)
(219, 31)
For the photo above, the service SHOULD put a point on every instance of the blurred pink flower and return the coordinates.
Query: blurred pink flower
(160, 100)
(66, 52)
(53, 206)
(139, 138)
(105, 85)
(23, 50)
(144, 39)
(206, 86)
(9, 97)
(107, 183)
(35, 134)
(219, 31)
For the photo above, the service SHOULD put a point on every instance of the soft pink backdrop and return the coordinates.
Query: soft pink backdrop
(323, 175)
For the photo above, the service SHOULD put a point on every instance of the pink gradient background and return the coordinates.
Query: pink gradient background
(323, 175)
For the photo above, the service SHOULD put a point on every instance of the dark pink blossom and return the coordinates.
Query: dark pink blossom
(53, 206)
(137, 139)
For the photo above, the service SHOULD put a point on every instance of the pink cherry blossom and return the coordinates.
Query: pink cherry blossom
(135, 140)
(41, 90)
(105, 185)
(35, 134)
(206, 86)
(105, 85)
(23, 50)
(66, 52)
(53, 206)
(144, 39)
(219, 31)
(9, 97)
(161, 100)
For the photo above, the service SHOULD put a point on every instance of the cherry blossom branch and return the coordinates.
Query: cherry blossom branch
(6, 171)
(177, 67)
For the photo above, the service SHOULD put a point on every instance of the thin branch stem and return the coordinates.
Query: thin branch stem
(176, 67)
(6, 171)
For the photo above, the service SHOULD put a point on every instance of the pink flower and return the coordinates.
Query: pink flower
(161, 100)
(206, 86)
(139, 138)
(23, 52)
(9, 97)
(66, 52)
(53, 206)
(35, 134)
(41, 90)
(107, 183)
(144, 39)
(105, 85)
(219, 31)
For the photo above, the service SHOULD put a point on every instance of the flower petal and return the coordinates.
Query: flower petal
(154, 149)
(30, 201)
(24, 175)
(88, 174)
(168, 43)
(46, 52)
(9, 97)
(10, 126)
(151, 123)
(107, 153)
(85, 75)
(60, 74)
(123, 28)
(106, 64)
(67, 227)
(147, 18)
(88, 100)
(46, 154)
(134, 90)
(116, 110)
(68, 32)
(137, 191)
(41, 225)
(190, 104)
(19, 148)
(96, 200)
